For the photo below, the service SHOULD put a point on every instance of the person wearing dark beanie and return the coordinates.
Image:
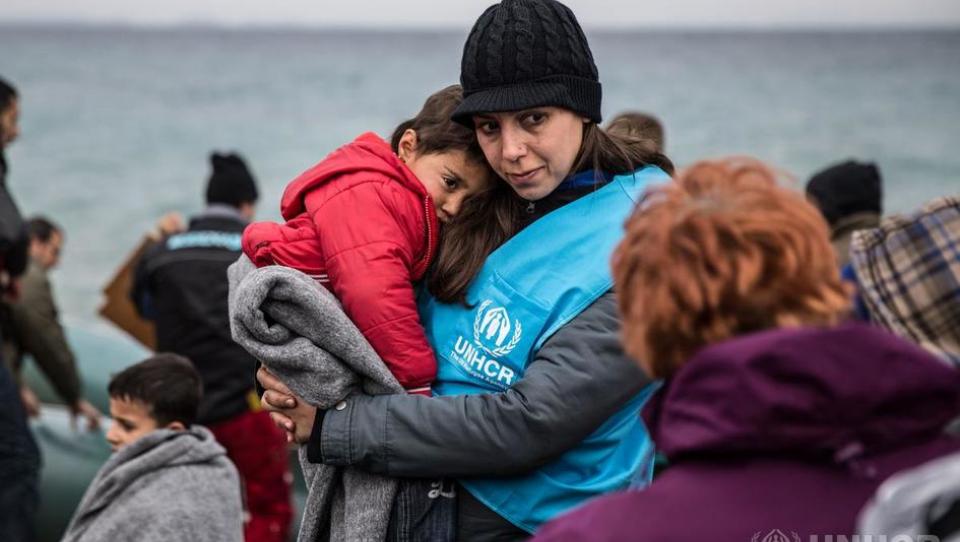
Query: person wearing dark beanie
(523, 54)
(849, 195)
(535, 406)
(180, 283)
(231, 182)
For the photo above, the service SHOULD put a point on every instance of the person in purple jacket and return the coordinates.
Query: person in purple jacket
(778, 420)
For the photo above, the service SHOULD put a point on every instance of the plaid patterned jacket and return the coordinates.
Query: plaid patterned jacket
(909, 275)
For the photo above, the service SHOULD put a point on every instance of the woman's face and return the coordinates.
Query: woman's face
(533, 150)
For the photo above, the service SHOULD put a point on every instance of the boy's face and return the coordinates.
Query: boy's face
(131, 420)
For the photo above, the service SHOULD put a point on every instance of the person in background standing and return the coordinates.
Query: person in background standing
(32, 326)
(181, 284)
(850, 196)
(19, 455)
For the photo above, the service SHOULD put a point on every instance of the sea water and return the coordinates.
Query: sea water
(117, 123)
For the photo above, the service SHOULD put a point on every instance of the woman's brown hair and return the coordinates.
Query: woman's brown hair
(719, 252)
(488, 220)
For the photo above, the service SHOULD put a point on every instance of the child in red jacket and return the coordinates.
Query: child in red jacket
(365, 223)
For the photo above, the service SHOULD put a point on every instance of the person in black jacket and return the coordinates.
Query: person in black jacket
(532, 94)
(19, 455)
(13, 234)
(181, 284)
(850, 196)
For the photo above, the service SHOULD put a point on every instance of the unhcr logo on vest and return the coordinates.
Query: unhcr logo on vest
(494, 335)
(492, 327)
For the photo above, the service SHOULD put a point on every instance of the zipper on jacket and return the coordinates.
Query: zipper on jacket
(531, 208)
(431, 248)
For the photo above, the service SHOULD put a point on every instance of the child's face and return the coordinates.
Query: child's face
(450, 178)
(131, 420)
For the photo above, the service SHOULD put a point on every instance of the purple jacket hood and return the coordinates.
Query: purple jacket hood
(834, 393)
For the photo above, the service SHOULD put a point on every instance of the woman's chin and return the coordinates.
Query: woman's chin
(529, 191)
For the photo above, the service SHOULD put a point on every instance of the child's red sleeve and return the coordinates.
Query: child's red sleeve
(370, 240)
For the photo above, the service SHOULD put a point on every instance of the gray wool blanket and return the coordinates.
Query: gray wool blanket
(298, 330)
(168, 486)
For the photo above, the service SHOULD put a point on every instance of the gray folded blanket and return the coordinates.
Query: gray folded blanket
(298, 330)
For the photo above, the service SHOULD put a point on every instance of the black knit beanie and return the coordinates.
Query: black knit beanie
(230, 181)
(527, 53)
(845, 189)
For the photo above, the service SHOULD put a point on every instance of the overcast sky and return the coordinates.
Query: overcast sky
(462, 13)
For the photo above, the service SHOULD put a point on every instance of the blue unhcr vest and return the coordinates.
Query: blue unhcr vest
(528, 289)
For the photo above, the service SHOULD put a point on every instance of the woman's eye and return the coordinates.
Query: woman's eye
(487, 127)
(450, 183)
(535, 118)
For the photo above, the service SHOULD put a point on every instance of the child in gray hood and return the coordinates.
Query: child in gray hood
(168, 480)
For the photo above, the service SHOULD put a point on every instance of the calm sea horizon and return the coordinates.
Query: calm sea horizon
(117, 122)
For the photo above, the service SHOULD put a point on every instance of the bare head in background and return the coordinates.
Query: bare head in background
(640, 126)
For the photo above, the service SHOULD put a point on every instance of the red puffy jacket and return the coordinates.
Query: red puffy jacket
(361, 223)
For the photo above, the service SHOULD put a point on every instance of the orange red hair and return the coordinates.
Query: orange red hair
(721, 251)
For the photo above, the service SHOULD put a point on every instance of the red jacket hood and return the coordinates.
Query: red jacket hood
(368, 152)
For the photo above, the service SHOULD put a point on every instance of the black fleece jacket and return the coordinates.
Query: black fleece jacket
(181, 284)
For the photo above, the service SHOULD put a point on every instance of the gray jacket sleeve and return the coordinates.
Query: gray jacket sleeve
(578, 379)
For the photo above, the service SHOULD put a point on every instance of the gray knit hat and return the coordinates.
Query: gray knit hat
(527, 53)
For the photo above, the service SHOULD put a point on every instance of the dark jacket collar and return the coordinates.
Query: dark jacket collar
(570, 190)
(218, 212)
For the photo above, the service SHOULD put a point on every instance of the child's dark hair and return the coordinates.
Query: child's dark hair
(436, 133)
(167, 384)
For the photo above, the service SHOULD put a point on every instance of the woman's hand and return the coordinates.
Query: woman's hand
(289, 412)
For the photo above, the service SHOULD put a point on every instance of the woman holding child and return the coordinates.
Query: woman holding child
(535, 403)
